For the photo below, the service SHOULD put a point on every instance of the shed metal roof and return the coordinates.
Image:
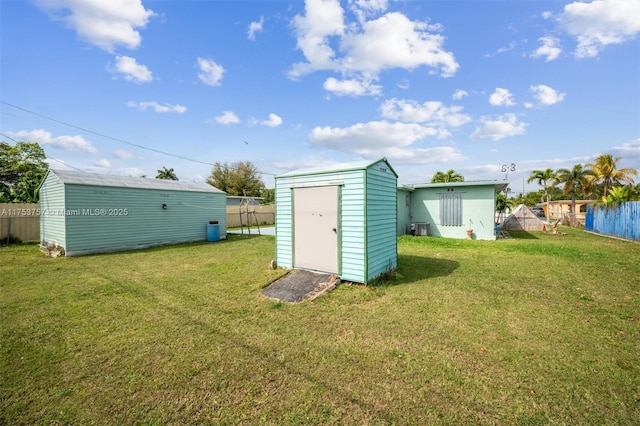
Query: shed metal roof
(336, 167)
(93, 179)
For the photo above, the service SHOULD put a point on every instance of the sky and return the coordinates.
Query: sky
(490, 89)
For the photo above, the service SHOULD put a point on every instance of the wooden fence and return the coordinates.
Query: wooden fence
(22, 221)
(19, 222)
(263, 214)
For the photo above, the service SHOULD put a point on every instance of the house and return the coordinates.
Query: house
(449, 209)
(339, 220)
(559, 209)
(91, 213)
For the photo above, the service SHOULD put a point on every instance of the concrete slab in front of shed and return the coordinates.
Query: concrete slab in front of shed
(300, 285)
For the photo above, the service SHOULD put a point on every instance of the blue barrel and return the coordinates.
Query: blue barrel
(213, 232)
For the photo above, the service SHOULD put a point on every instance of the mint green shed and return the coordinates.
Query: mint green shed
(340, 220)
(91, 213)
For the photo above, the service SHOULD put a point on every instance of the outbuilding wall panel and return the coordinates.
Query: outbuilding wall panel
(52, 211)
(117, 218)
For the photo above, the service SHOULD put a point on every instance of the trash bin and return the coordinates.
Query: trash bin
(213, 232)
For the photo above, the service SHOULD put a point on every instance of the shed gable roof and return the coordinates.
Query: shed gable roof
(337, 167)
(93, 179)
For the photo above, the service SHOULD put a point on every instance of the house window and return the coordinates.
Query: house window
(451, 208)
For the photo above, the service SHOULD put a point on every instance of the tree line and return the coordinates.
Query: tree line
(23, 166)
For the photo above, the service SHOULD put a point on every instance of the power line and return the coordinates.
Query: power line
(46, 156)
(93, 132)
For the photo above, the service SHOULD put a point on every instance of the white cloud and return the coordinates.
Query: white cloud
(550, 48)
(142, 106)
(459, 94)
(65, 142)
(600, 23)
(105, 24)
(376, 139)
(430, 112)
(102, 163)
(545, 95)
(210, 72)
(366, 8)
(254, 28)
(512, 45)
(273, 121)
(322, 19)
(394, 41)
(227, 117)
(361, 50)
(125, 155)
(351, 87)
(371, 139)
(131, 70)
(628, 151)
(505, 126)
(501, 97)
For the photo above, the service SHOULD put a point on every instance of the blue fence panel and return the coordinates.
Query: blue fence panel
(622, 220)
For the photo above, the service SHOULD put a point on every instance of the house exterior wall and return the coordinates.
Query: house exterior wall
(404, 211)
(367, 218)
(52, 211)
(478, 211)
(560, 208)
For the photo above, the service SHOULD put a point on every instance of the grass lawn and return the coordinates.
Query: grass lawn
(540, 329)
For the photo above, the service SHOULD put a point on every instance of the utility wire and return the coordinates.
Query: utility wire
(110, 137)
(46, 156)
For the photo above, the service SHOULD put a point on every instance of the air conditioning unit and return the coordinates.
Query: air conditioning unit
(420, 229)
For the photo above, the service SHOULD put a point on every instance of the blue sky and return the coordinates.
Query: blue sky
(112, 86)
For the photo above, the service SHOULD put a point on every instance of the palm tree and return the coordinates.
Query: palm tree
(575, 180)
(449, 176)
(605, 171)
(544, 178)
(502, 204)
(167, 174)
(617, 194)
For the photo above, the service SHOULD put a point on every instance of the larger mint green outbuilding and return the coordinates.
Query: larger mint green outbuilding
(92, 213)
(339, 220)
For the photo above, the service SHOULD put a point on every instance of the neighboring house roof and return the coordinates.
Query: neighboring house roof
(337, 167)
(93, 179)
(569, 201)
(499, 185)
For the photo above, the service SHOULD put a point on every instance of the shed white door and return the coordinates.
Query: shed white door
(315, 220)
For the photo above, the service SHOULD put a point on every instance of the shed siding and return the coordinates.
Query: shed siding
(367, 218)
(352, 227)
(52, 211)
(145, 223)
(351, 219)
(381, 220)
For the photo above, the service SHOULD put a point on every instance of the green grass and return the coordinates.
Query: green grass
(540, 329)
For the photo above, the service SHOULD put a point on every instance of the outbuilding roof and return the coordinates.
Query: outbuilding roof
(94, 179)
(336, 167)
(499, 185)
